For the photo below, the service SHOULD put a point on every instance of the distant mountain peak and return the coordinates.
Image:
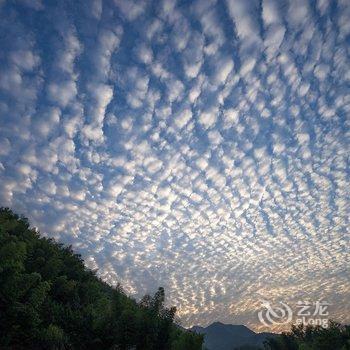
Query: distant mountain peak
(221, 336)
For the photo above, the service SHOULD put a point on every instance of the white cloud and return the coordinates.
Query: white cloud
(131, 9)
(5, 146)
(247, 66)
(231, 117)
(96, 8)
(270, 12)
(224, 68)
(25, 59)
(62, 93)
(215, 137)
(183, 118)
(137, 137)
(298, 12)
(102, 95)
(145, 54)
(208, 118)
(66, 58)
(241, 12)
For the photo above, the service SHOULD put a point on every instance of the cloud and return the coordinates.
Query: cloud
(131, 9)
(62, 93)
(25, 59)
(201, 147)
(208, 118)
(242, 13)
(183, 118)
(224, 68)
(145, 54)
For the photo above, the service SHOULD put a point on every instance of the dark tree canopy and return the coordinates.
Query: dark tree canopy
(334, 337)
(49, 300)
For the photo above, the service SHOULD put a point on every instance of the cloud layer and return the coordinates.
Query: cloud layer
(201, 146)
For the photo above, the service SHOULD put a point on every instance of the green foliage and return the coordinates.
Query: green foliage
(49, 300)
(187, 340)
(335, 337)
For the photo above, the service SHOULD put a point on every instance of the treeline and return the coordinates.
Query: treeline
(334, 337)
(49, 300)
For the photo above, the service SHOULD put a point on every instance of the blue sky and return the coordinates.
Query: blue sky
(202, 146)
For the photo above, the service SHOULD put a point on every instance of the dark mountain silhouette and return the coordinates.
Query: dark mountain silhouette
(220, 336)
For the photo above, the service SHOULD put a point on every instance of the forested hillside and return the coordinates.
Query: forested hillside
(49, 300)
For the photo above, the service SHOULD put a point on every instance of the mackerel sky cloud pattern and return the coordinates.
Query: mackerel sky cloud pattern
(198, 145)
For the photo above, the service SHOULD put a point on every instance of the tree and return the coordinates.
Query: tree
(335, 337)
(49, 300)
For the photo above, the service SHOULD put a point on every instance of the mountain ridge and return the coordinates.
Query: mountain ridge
(221, 336)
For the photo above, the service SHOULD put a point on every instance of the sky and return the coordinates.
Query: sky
(202, 146)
